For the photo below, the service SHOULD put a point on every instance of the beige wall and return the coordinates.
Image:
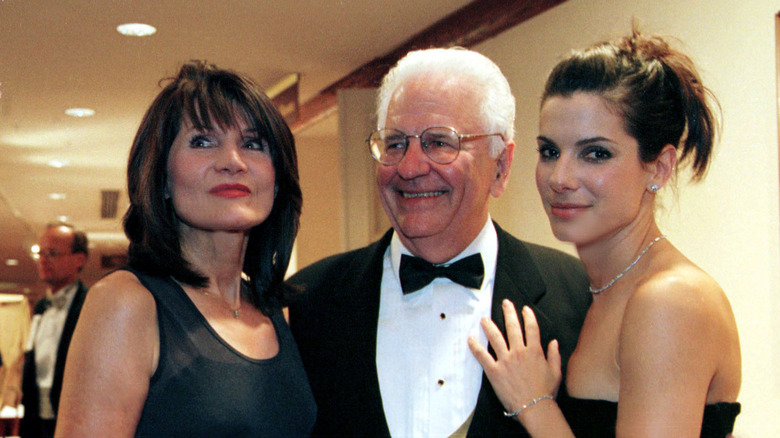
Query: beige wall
(336, 175)
(321, 219)
(729, 224)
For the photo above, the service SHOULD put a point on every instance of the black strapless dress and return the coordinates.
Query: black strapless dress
(597, 418)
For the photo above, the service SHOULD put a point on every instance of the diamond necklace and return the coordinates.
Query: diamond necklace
(619, 276)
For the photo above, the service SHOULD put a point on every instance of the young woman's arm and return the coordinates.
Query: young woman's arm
(670, 344)
(523, 379)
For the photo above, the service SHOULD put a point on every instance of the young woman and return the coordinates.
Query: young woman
(658, 354)
(190, 339)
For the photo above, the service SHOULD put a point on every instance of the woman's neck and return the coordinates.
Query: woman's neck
(609, 256)
(220, 257)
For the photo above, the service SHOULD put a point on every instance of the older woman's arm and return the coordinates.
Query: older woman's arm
(112, 356)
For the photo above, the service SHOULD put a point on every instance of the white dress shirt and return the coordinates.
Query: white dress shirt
(47, 332)
(428, 378)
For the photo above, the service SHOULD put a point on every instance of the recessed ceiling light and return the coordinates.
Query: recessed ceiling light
(58, 163)
(136, 29)
(62, 218)
(80, 112)
(57, 196)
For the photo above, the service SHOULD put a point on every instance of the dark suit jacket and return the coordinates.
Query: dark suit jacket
(335, 322)
(30, 392)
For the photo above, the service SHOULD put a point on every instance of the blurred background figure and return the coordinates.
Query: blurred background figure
(62, 254)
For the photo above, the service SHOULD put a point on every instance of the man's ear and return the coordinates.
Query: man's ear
(82, 259)
(503, 166)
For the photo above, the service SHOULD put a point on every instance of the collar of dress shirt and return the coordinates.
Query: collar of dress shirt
(68, 292)
(486, 244)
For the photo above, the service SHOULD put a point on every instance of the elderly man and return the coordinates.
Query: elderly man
(383, 329)
(62, 254)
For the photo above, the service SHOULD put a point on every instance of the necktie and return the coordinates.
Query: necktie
(416, 273)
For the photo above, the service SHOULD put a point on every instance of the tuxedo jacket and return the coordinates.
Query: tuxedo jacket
(335, 320)
(30, 391)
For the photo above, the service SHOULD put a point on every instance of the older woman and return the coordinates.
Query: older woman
(190, 338)
(659, 353)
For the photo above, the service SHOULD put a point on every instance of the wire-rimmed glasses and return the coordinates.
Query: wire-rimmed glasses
(440, 143)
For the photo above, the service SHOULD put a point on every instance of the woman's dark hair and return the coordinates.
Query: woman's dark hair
(202, 92)
(656, 90)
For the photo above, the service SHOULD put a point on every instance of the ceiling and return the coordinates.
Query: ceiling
(56, 55)
(63, 54)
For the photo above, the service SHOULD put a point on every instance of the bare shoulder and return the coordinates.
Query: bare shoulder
(679, 318)
(119, 307)
(678, 333)
(121, 293)
(680, 295)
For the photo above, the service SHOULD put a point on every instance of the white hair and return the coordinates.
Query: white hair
(468, 69)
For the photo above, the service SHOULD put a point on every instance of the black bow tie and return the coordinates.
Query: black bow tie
(59, 301)
(416, 273)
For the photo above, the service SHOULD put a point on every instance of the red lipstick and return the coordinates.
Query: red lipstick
(230, 190)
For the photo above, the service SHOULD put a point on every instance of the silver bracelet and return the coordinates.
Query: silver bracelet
(527, 405)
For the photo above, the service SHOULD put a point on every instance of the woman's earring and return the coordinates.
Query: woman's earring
(654, 188)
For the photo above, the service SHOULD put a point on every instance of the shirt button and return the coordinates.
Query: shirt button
(441, 382)
(442, 316)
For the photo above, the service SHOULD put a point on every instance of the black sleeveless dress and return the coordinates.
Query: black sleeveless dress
(204, 387)
(597, 418)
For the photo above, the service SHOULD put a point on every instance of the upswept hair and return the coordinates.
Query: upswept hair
(468, 69)
(653, 87)
(202, 92)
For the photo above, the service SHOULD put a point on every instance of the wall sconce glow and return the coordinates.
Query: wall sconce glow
(35, 250)
(62, 218)
(57, 196)
(80, 112)
(136, 29)
(12, 262)
(57, 163)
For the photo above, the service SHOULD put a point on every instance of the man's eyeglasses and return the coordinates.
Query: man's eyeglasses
(51, 253)
(440, 143)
